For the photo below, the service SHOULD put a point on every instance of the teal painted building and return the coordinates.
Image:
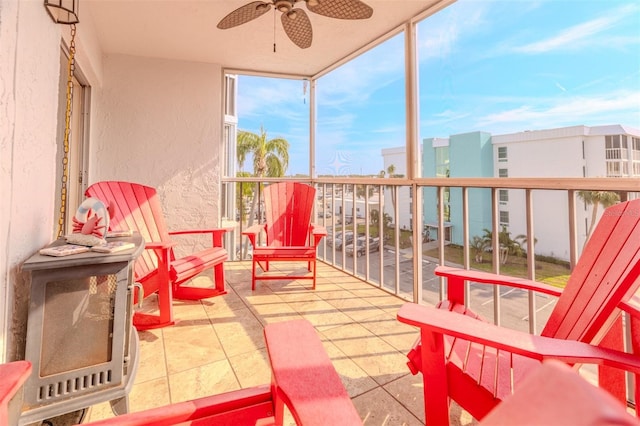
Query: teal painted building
(462, 155)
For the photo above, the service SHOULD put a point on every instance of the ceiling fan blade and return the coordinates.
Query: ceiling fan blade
(341, 9)
(297, 25)
(244, 14)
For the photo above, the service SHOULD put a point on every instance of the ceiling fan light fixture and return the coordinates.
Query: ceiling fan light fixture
(261, 7)
(292, 15)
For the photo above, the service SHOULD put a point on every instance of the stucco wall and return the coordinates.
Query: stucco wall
(158, 122)
(152, 121)
(29, 69)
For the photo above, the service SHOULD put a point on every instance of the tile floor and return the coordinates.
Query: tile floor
(218, 346)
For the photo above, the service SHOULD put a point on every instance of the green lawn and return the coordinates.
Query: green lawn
(555, 274)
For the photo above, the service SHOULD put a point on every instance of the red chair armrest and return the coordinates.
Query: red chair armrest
(252, 232)
(317, 232)
(443, 322)
(457, 274)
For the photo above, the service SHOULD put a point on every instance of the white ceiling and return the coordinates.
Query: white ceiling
(186, 30)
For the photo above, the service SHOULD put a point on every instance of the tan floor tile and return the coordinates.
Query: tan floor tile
(357, 309)
(379, 359)
(379, 408)
(252, 369)
(384, 301)
(151, 361)
(189, 346)
(399, 335)
(299, 295)
(321, 314)
(239, 334)
(143, 396)
(223, 306)
(270, 313)
(409, 390)
(151, 394)
(191, 310)
(264, 303)
(327, 287)
(355, 380)
(209, 379)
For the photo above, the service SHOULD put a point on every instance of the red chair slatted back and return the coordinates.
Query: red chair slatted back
(137, 207)
(604, 274)
(288, 206)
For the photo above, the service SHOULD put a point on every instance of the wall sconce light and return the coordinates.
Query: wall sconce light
(63, 11)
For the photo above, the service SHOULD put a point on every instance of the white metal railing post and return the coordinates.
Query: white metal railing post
(531, 261)
(381, 231)
(465, 239)
(495, 220)
(442, 292)
(573, 230)
(396, 233)
(417, 227)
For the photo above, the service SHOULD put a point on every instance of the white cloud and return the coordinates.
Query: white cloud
(612, 108)
(586, 34)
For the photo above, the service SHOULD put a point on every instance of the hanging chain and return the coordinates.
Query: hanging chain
(67, 130)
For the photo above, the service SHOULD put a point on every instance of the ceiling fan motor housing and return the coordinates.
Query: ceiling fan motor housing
(284, 6)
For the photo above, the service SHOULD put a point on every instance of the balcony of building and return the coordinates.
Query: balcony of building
(217, 344)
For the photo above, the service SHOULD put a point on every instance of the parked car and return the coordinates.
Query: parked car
(361, 243)
(338, 240)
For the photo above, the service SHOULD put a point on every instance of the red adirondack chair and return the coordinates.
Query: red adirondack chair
(137, 208)
(477, 364)
(290, 235)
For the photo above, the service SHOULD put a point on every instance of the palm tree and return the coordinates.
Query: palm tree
(391, 170)
(270, 158)
(596, 198)
(506, 244)
(479, 246)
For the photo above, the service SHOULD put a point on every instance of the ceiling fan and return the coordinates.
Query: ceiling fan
(295, 21)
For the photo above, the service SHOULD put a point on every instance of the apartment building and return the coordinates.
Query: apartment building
(575, 151)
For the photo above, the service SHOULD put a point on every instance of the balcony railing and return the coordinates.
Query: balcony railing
(421, 223)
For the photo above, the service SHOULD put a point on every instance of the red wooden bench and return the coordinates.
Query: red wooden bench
(303, 379)
(158, 270)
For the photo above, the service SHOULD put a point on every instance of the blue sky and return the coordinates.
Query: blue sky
(494, 66)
